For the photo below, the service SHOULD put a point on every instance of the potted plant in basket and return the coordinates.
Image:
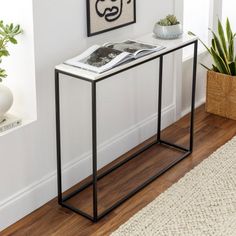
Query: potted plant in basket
(168, 28)
(7, 35)
(221, 78)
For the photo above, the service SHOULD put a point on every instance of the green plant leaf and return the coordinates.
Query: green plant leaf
(4, 52)
(222, 37)
(13, 40)
(219, 62)
(205, 66)
(11, 27)
(231, 50)
(2, 74)
(218, 48)
(232, 67)
(215, 68)
(16, 29)
(207, 48)
(229, 32)
(230, 37)
(213, 44)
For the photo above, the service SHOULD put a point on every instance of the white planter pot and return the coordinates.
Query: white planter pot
(6, 101)
(168, 32)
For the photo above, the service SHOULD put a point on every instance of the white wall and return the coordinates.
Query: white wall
(28, 155)
(20, 65)
(192, 22)
(229, 11)
(205, 59)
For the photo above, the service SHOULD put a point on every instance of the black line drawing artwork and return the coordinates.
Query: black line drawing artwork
(106, 15)
(112, 11)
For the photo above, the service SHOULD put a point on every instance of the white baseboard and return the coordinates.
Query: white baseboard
(34, 196)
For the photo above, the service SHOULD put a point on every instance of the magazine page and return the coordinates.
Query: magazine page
(99, 59)
(138, 49)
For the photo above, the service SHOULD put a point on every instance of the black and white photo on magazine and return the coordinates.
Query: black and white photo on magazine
(101, 57)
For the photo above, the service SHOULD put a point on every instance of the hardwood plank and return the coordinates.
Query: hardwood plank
(211, 132)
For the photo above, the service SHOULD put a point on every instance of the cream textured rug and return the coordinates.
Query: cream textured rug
(202, 203)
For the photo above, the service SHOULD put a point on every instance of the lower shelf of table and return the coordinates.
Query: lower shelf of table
(119, 182)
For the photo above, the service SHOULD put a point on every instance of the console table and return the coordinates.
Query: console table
(94, 79)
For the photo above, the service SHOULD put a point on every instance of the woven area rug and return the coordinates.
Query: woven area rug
(202, 203)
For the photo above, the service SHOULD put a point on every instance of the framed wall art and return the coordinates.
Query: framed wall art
(105, 15)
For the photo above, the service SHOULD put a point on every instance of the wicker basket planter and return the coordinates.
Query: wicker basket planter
(221, 95)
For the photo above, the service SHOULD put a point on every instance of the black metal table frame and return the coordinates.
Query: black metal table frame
(62, 200)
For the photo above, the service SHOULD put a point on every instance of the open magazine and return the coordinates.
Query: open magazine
(102, 58)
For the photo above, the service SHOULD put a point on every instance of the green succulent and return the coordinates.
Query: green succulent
(7, 35)
(222, 50)
(168, 21)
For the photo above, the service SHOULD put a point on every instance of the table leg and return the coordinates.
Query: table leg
(193, 96)
(58, 137)
(159, 100)
(94, 151)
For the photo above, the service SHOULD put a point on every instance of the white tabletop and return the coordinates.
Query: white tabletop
(150, 38)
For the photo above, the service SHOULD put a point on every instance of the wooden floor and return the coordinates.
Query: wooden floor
(211, 132)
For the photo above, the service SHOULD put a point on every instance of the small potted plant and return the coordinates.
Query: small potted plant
(221, 77)
(168, 28)
(7, 35)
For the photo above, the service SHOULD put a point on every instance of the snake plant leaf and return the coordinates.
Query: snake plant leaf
(215, 68)
(231, 50)
(219, 62)
(207, 68)
(222, 50)
(219, 48)
(229, 32)
(230, 37)
(232, 67)
(213, 44)
(222, 37)
(207, 48)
